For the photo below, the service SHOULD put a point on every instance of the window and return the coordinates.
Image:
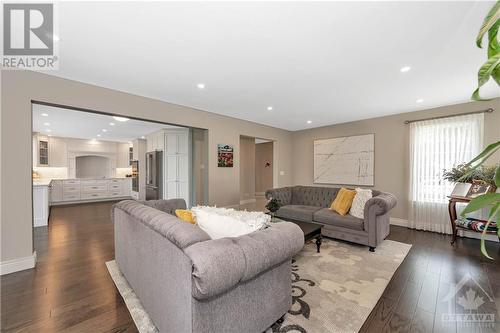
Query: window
(436, 145)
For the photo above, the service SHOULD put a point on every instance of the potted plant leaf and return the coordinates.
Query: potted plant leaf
(490, 69)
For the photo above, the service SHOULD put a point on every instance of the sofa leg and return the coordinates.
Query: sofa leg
(372, 248)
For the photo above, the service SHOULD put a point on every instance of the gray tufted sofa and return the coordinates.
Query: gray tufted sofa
(312, 204)
(190, 283)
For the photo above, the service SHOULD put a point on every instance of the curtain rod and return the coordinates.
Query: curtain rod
(490, 110)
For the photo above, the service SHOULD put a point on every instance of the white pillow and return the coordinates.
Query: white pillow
(222, 222)
(358, 204)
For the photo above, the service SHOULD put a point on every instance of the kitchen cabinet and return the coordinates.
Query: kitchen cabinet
(40, 205)
(175, 144)
(40, 150)
(58, 153)
(177, 168)
(49, 151)
(123, 155)
(75, 190)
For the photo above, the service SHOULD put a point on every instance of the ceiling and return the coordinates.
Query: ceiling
(322, 62)
(85, 125)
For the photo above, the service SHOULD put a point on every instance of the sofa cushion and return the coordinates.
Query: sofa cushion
(297, 212)
(330, 217)
(223, 222)
(343, 201)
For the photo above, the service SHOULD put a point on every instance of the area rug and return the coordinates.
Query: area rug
(332, 291)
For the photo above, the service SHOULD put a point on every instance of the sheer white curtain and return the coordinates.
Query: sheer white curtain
(436, 145)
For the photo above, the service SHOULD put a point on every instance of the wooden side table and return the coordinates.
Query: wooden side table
(452, 209)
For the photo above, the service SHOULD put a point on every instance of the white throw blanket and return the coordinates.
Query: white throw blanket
(224, 222)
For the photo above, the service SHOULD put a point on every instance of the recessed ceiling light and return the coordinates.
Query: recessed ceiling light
(121, 119)
(111, 124)
(98, 134)
(420, 100)
(309, 121)
(49, 130)
(143, 137)
(201, 85)
(104, 130)
(269, 108)
(45, 114)
(405, 69)
(46, 124)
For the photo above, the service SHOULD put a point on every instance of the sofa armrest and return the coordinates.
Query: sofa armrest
(220, 264)
(283, 194)
(380, 205)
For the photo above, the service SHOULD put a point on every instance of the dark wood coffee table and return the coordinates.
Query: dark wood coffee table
(310, 230)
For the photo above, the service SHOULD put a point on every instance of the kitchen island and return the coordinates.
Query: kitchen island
(40, 202)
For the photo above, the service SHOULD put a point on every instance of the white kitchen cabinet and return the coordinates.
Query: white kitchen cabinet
(41, 150)
(177, 164)
(155, 141)
(123, 157)
(76, 190)
(58, 152)
(56, 190)
(40, 205)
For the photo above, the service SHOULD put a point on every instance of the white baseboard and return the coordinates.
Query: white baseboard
(247, 201)
(16, 265)
(399, 222)
(461, 233)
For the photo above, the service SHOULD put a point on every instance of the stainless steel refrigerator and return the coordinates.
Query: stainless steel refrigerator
(154, 175)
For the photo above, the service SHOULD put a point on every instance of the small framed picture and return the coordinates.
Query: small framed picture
(225, 156)
(478, 189)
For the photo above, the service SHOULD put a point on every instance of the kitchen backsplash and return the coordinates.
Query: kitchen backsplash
(122, 172)
(51, 173)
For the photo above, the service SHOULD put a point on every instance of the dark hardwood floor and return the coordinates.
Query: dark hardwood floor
(70, 289)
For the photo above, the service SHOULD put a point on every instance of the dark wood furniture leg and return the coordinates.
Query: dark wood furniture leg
(453, 216)
(318, 242)
(372, 248)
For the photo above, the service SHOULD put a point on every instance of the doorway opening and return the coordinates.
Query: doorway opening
(85, 156)
(256, 170)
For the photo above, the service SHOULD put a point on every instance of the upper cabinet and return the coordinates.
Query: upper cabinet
(156, 141)
(123, 155)
(49, 151)
(58, 152)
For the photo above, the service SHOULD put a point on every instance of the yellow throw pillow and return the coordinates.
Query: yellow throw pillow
(343, 201)
(185, 215)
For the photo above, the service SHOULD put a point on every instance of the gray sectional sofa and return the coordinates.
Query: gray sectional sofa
(189, 283)
(312, 204)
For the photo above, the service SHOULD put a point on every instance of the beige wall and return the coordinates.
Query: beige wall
(247, 168)
(263, 174)
(20, 87)
(391, 146)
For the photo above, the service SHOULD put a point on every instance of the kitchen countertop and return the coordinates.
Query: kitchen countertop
(41, 182)
(46, 182)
